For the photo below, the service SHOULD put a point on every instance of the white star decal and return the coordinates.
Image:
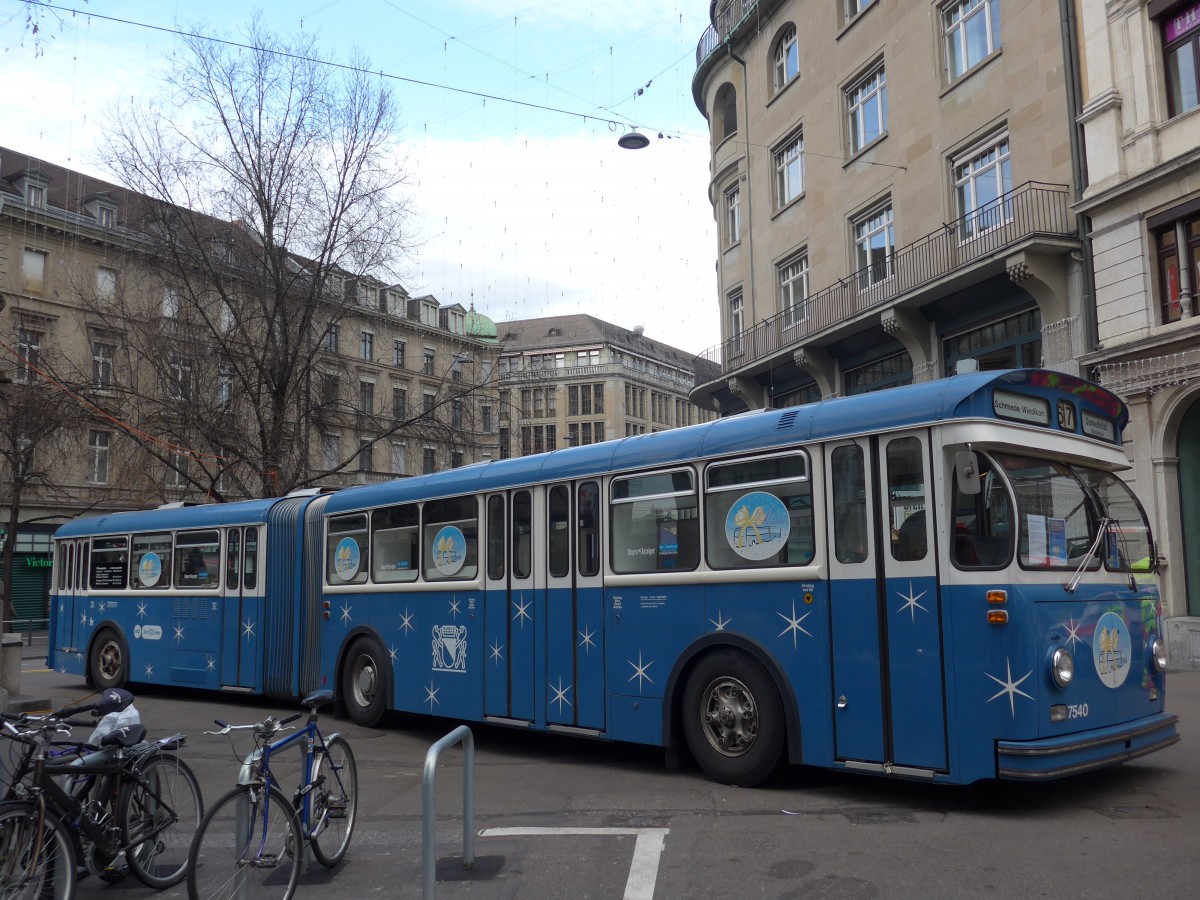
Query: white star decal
(522, 607)
(720, 621)
(793, 625)
(454, 610)
(560, 694)
(392, 653)
(586, 641)
(179, 632)
(639, 671)
(910, 602)
(141, 610)
(62, 670)
(212, 663)
(346, 607)
(497, 652)
(247, 630)
(431, 693)
(406, 618)
(1010, 687)
(83, 618)
(103, 606)
(149, 669)
(1073, 637)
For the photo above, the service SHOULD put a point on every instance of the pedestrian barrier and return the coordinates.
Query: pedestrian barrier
(429, 807)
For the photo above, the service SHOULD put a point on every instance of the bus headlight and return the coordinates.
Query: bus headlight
(1062, 667)
(1158, 655)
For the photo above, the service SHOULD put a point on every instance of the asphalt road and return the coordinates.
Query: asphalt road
(563, 817)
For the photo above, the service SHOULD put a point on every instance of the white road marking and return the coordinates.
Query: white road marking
(643, 871)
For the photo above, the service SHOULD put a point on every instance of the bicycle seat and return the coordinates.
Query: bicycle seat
(317, 698)
(126, 736)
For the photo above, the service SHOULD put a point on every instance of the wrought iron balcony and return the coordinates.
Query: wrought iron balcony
(1025, 213)
(727, 21)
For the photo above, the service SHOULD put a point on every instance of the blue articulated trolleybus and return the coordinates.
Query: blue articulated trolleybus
(945, 581)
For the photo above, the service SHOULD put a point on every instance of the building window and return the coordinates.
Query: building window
(874, 244)
(170, 303)
(485, 419)
(429, 461)
(179, 377)
(366, 462)
(585, 399)
(456, 459)
(885, 373)
(789, 170)
(982, 180)
(399, 458)
(793, 289)
(854, 7)
(106, 283)
(399, 403)
(366, 397)
(1011, 343)
(505, 443)
(331, 338)
(224, 387)
(177, 469)
(1169, 263)
(330, 450)
(330, 389)
(398, 354)
(456, 415)
(97, 463)
(736, 321)
(733, 215)
(866, 105)
(972, 30)
(33, 267)
(102, 365)
(427, 362)
(35, 195)
(724, 113)
(1181, 51)
(368, 346)
(105, 216)
(427, 407)
(787, 58)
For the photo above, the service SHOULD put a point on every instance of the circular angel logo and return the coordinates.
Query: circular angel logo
(449, 550)
(346, 558)
(757, 526)
(150, 569)
(1111, 649)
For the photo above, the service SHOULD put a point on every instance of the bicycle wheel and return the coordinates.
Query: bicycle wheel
(334, 802)
(248, 846)
(36, 863)
(160, 815)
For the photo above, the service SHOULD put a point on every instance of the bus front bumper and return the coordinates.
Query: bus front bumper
(1083, 751)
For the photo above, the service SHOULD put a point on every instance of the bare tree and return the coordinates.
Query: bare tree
(40, 18)
(271, 201)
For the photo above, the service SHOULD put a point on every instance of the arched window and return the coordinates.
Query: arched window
(724, 113)
(787, 57)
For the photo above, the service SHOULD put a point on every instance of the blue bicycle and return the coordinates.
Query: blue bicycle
(252, 841)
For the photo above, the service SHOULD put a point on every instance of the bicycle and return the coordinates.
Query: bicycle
(74, 803)
(253, 839)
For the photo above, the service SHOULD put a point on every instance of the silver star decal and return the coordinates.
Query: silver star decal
(346, 613)
(149, 669)
(1010, 687)
(639, 671)
(1073, 637)
(586, 641)
(83, 618)
(910, 602)
(179, 632)
(247, 630)
(720, 621)
(406, 618)
(212, 663)
(497, 652)
(522, 607)
(141, 610)
(103, 606)
(431, 693)
(793, 625)
(454, 610)
(560, 694)
(392, 653)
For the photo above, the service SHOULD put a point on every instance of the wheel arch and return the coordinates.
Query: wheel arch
(697, 650)
(339, 707)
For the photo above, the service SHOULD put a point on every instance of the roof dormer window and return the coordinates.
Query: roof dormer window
(35, 195)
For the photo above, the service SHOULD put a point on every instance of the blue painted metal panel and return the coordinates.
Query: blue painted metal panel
(858, 673)
(496, 625)
(526, 621)
(589, 657)
(914, 643)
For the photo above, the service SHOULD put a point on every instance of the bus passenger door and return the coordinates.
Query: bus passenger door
(510, 608)
(911, 610)
(66, 618)
(574, 607)
(241, 619)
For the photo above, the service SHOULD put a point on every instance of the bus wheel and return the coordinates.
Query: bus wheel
(108, 664)
(733, 719)
(364, 682)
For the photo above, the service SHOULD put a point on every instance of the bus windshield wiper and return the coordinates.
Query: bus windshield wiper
(1070, 586)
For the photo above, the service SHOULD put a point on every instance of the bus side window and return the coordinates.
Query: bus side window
(849, 481)
(588, 538)
(558, 531)
(522, 534)
(150, 565)
(233, 559)
(108, 570)
(495, 537)
(81, 575)
(450, 542)
(198, 559)
(250, 568)
(395, 544)
(655, 522)
(906, 500)
(346, 553)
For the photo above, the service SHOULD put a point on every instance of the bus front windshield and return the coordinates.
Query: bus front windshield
(1059, 510)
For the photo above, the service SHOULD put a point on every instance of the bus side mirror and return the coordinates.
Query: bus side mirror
(966, 469)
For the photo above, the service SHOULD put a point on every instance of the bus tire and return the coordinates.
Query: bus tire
(364, 682)
(108, 662)
(733, 719)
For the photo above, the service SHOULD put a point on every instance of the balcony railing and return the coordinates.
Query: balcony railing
(1031, 210)
(728, 19)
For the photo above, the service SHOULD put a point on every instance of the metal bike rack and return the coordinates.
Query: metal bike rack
(429, 807)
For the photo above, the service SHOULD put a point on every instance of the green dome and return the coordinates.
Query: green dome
(480, 326)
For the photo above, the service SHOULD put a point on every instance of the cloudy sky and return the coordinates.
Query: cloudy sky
(525, 209)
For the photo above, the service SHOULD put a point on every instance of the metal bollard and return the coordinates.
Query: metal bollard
(429, 807)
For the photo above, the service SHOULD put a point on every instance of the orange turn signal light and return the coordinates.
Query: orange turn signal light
(997, 616)
(997, 596)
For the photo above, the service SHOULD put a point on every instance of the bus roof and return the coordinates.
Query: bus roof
(958, 396)
(205, 515)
